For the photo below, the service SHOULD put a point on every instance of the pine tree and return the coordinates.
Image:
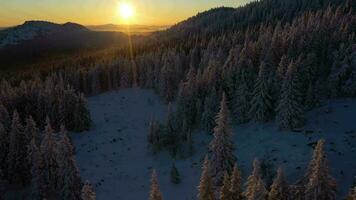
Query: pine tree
(205, 188)
(82, 119)
(17, 157)
(256, 189)
(210, 109)
(49, 152)
(290, 112)
(72, 181)
(5, 117)
(279, 188)
(4, 148)
(262, 102)
(31, 131)
(320, 184)
(236, 184)
(221, 147)
(225, 193)
(352, 195)
(34, 156)
(242, 99)
(175, 177)
(155, 193)
(88, 192)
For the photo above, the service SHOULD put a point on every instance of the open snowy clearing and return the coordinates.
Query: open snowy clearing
(114, 157)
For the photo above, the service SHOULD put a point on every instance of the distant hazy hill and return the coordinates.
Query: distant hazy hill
(133, 29)
(39, 39)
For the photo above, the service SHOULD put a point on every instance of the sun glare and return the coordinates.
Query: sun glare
(126, 11)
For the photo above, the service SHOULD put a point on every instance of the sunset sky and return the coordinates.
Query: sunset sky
(94, 12)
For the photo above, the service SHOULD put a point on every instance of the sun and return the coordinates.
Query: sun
(126, 11)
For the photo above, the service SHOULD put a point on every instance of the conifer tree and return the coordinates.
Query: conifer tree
(205, 188)
(210, 109)
(262, 102)
(352, 194)
(290, 112)
(279, 188)
(236, 184)
(155, 193)
(88, 192)
(255, 189)
(17, 157)
(31, 131)
(34, 157)
(4, 148)
(320, 184)
(49, 152)
(225, 193)
(175, 177)
(242, 99)
(5, 117)
(221, 147)
(82, 119)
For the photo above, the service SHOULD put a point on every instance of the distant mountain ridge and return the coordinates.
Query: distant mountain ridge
(32, 29)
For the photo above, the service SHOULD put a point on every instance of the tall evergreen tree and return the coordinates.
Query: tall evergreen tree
(34, 156)
(155, 193)
(17, 157)
(210, 109)
(255, 189)
(4, 148)
(221, 147)
(290, 111)
(262, 102)
(5, 117)
(82, 119)
(279, 188)
(242, 99)
(49, 152)
(205, 188)
(352, 194)
(320, 184)
(88, 192)
(225, 193)
(175, 177)
(236, 184)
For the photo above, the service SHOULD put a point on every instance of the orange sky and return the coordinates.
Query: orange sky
(94, 12)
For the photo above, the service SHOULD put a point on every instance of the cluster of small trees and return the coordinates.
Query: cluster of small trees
(221, 178)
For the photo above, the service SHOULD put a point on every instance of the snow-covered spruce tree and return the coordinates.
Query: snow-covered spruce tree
(49, 152)
(236, 184)
(290, 111)
(17, 157)
(175, 177)
(221, 147)
(279, 188)
(262, 101)
(255, 189)
(210, 109)
(225, 193)
(82, 118)
(88, 192)
(34, 156)
(31, 131)
(154, 136)
(5, 117)
(205, 188)
(242, 99)
(320, 184)
(171, 138)
(4, 148)
(352, 194)
(72, 181)
(155, 193)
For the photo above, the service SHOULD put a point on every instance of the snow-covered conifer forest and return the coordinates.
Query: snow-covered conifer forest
(256, 103)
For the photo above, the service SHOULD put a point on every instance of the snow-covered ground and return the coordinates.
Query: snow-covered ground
(114, 157)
